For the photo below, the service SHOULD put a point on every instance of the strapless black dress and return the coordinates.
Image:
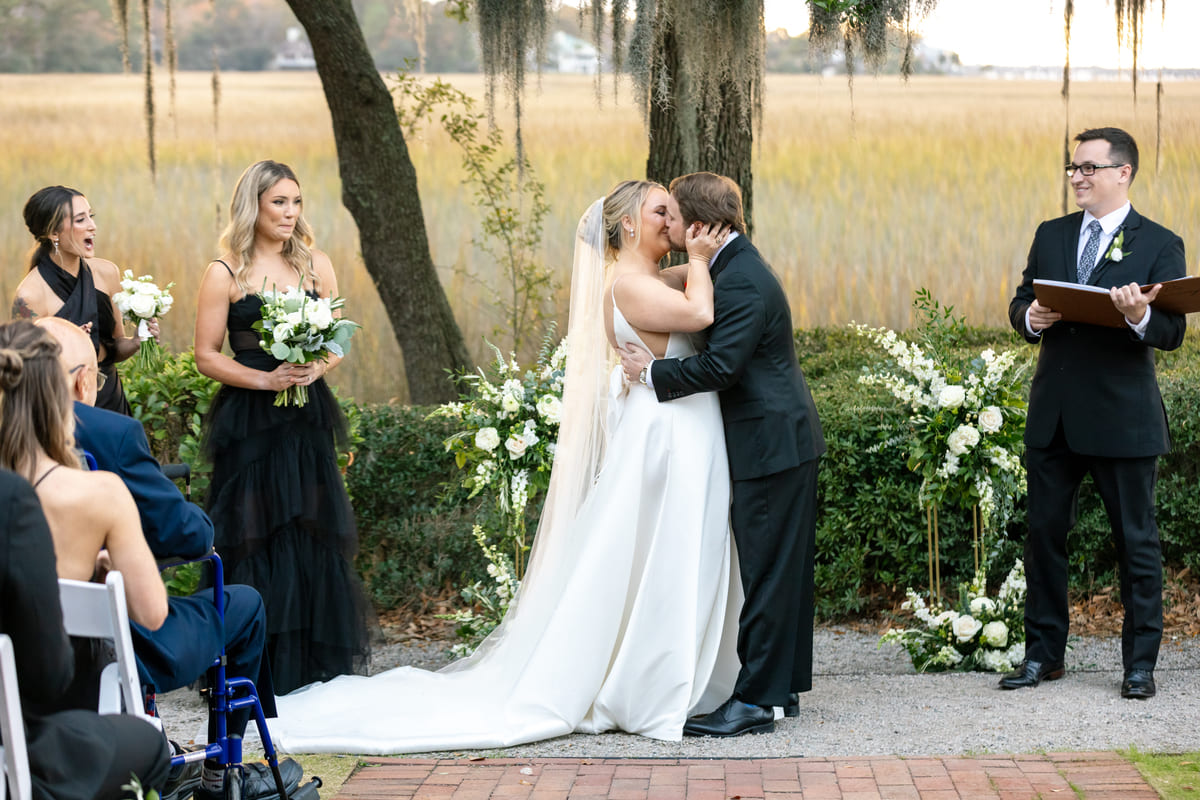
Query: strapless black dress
(282, 519)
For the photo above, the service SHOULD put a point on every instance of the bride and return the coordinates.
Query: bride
(627, 616)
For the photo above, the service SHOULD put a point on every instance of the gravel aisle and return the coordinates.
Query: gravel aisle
(868, 701)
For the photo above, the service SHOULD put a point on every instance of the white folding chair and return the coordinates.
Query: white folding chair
(95, 611)
(12, 727)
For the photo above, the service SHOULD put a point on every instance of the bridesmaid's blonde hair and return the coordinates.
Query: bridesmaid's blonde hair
(238, 237)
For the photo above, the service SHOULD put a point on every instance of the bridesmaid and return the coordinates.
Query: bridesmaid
(61, 283)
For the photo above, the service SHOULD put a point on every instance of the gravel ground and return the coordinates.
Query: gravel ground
(868, 700)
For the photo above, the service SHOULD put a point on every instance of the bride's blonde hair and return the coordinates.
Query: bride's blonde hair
(627, 197)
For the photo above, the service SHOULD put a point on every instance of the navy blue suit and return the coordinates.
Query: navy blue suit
(184, 647)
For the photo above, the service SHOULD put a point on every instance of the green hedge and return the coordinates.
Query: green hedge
(415, 520)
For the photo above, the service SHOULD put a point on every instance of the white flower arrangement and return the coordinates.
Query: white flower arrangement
(139, 301)
(984, 633)
(510, 420)
(298, 328)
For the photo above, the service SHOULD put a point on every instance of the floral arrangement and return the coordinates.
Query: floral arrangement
(509, 429)
(964, 433)
(140, 300)
(298, 328)
(981, 634)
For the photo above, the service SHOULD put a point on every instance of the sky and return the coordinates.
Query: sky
(1030, 32)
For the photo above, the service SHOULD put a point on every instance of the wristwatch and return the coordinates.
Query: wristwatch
(642, 375)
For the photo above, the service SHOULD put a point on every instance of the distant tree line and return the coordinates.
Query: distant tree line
(249, 33)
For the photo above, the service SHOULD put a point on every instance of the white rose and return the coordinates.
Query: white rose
(516, 446)
(550, 407)
(282, 332)
(962, 439)
(122, 301)
(965, 628)
(982, 605)
(147, 288)
(944, 617)
(991, 419)
(995, 634)
(487, 439)
(1115, 254)
(142, 306)
(319, 316)
(951, 396)
(294, 319)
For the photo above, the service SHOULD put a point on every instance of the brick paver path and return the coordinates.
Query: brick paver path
(1095, 776)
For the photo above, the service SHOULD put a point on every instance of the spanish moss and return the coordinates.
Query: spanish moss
(120, 9)
(148, 70)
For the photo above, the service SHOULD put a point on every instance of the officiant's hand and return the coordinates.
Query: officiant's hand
(1041, 317)
(1132, 302)
(632, 361)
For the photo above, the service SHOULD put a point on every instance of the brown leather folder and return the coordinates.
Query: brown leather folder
(1091, 304)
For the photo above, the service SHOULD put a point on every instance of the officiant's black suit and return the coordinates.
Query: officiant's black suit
(1095, 406)
(773, 438)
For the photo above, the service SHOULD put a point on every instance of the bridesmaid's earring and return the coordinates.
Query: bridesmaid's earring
(630, 232)
(56, 247)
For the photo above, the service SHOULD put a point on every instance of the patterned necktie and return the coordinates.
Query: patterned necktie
(1087, 261)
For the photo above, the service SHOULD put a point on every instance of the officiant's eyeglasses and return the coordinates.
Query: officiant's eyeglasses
(101, 378)
(1088, 170)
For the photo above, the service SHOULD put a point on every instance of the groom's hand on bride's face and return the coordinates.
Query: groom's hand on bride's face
(632, 361)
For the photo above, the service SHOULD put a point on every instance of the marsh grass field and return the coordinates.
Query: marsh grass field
(858, 200)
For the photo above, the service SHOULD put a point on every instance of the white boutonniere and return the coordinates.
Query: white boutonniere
(1115, 250)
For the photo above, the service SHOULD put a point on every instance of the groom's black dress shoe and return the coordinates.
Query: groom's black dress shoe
(732, 719)
(1031, 673)
(1138, 684)
(792, 707)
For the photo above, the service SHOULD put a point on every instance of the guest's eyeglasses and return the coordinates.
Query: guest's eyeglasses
(101, 378)
(1088, 170)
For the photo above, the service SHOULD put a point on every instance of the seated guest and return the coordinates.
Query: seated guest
(185, 646)
(74, 754)
(87, 511)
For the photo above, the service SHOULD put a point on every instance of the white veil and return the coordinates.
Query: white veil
(579, 453)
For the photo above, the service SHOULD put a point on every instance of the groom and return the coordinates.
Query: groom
(773, 438)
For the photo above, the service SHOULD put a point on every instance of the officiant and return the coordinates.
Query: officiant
(1095, 406)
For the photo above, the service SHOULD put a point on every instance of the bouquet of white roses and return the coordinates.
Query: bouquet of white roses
(298, 328)
(984, 634)
(140, 300)
(509, 429)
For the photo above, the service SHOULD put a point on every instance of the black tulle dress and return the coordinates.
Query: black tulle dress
(282, 517)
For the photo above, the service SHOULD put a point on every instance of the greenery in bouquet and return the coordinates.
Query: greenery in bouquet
(966, 415)
(506, 444)
(298, 328)
(139, 301)
(982, 634)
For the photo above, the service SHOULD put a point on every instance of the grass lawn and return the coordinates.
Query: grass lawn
(1174, 777)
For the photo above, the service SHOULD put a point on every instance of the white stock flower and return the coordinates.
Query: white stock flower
(1016, 653)
(282, 332)
(516, 446)
(995, 634)
(962, 439)
(951, 396)
(487, 439)
(508, 403)
(995, 661)
(991, 419)
(550, 408)
(965, 628)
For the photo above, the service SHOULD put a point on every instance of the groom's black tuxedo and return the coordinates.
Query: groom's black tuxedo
(773, 438)
(1095, 407)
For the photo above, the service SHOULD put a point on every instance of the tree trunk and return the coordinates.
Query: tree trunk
(379, 188)
(728, 150)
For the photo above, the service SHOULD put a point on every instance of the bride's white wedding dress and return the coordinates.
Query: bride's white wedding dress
(634, 629)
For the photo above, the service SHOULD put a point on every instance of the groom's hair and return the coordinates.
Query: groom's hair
(707, 197)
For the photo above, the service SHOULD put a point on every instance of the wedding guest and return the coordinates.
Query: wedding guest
(74, 754)
(88, 512)
(1095, 407)
(61, 283)
(183, 649)
(282, 517)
